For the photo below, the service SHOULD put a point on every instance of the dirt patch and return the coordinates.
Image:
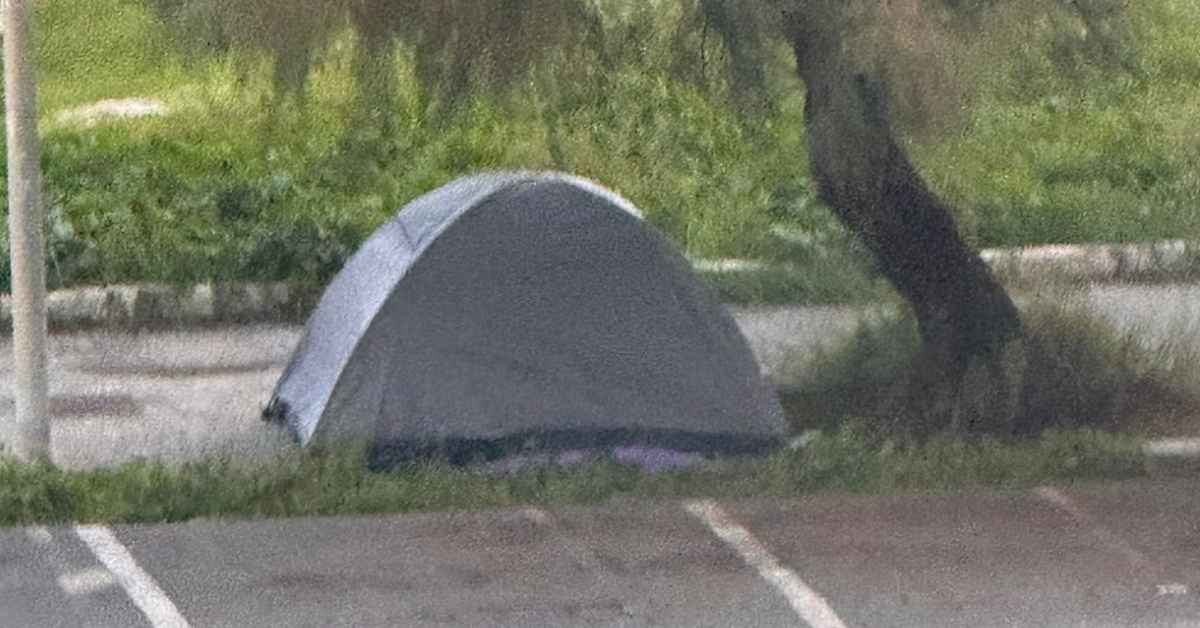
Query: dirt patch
(75, 406)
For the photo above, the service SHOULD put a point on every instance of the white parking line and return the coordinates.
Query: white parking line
(138, 584)
(807, 603)
(86, 581)
(1137, 559)
(39, 534)
(576, 551)
(1114, 542)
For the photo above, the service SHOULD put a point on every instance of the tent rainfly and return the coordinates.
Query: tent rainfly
(529, 310)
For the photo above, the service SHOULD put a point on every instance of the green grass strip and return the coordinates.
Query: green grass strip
(308, 483)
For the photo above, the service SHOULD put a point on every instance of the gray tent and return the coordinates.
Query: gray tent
(523, 308)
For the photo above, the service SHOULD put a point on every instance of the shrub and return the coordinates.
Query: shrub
(1079, 373)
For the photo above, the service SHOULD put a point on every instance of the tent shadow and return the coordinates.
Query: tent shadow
(651, 449)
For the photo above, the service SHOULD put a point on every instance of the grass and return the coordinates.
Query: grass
(235, 184)
(334, 482)
(101, 49)
(1081, 373)
(1086, 153)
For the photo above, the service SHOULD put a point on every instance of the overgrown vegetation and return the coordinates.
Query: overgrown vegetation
(1081, 373)
(335, 483)
(236, 182)
(1062, 149)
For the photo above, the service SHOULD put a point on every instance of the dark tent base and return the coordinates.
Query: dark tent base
(463, 452)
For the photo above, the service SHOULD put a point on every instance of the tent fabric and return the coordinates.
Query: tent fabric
(522, 307)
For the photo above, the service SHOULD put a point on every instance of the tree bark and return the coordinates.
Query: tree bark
(965, 317)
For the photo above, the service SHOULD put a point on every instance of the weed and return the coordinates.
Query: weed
(1078, 372)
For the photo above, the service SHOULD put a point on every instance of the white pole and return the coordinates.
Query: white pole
(31, 438)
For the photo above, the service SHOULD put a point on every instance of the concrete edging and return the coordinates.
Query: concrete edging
(1166, 260)
(1156, 448)
(1151, 261)
(1172, 448)
(160, 305)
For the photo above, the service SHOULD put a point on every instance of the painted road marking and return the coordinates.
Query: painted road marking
(39, 535)
(1114, 542)
(86, 581)
(74, 583)
(576, 551)
(138, 584)
(807, 603)
(80, 582)
(536, 515)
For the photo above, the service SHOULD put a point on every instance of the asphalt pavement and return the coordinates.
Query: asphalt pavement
(1119, 554)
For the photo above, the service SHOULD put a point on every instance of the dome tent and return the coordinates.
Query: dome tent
(508, 309)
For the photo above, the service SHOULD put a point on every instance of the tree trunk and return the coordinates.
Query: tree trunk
(964, 315)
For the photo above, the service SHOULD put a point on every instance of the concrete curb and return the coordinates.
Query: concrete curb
(153, 305)
(1172, 260)
(1155, 448)
(1168, 260)
(1172, 448)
